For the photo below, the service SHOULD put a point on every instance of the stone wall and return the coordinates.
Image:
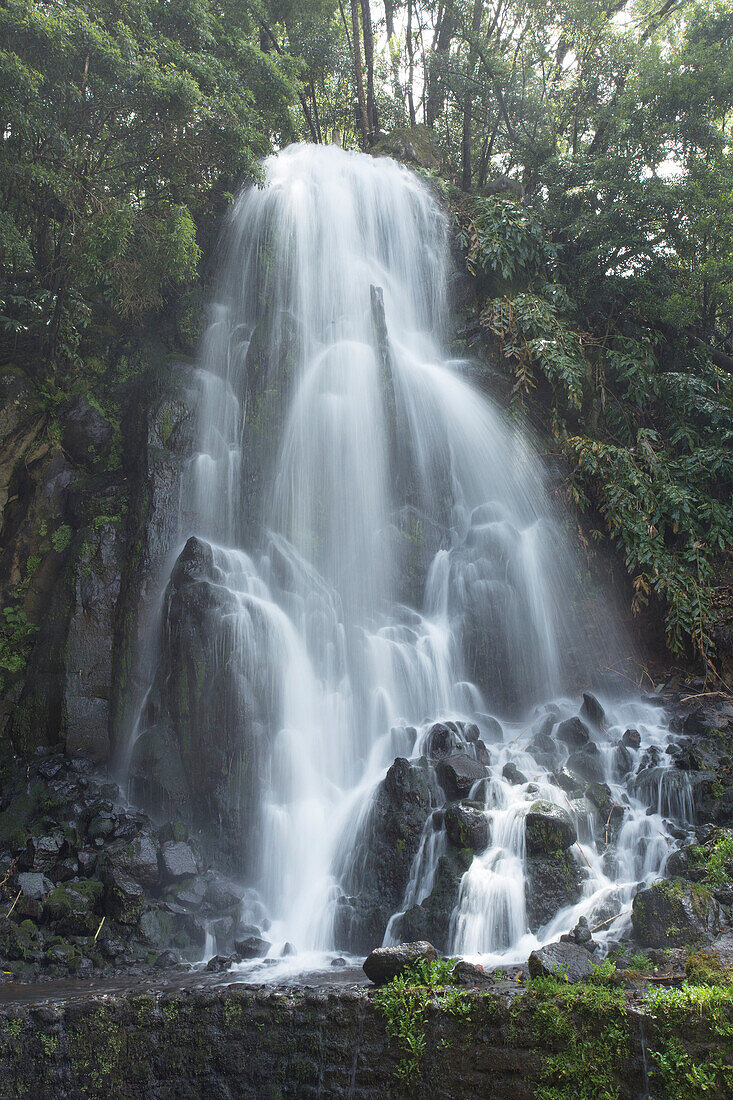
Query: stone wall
(241, 1041)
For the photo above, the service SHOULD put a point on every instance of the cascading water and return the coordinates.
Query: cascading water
(402, 566)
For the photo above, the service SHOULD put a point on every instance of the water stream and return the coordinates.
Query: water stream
(384, 556)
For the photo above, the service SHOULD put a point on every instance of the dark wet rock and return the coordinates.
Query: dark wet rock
(379, 869)
(431, 919)
(219, 963)
(338, 961)
(85, 434)
(288, 950)
(177, 860)
(492, 729)
(481, 753)
(548, 829)
(440, 741)
(581, 935)
(137, 858)
(466, 827)
(191, 893)
(544, 749)
(651, 758)
(385, 963)
(221, 892)
(123, 897)
(587, 763)
(568, 782)
(623, 761)
(470, 974)
(512, 774)
(458, 773)
(567, 961)
(252, 947)
(599, 795)
(46, 852)
(166, 960)
(552, 882)
(89, 644)
(592, 710)
(631, 739)
(471, 732)
(34, 885)
(573, 732)
(675, 913)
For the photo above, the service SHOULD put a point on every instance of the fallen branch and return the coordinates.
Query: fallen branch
(610, 920)
(10, 910)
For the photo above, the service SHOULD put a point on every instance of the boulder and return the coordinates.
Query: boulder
(378, 869)
(137, 858)
(573, 732)
(592, 710)
(177, 860)
(252, 947)
(548, 829)
(552, 882)
(512, 774)
(47, 851)
(492, 729)
(123, 898)
(675, 913)
(466, 827)
(623, 761)
(471, 974)
(457, 774)
(34, 885)
(587, 763)
(440, 741)
(567, 961)
(631, 739)
(385, 963)
(222, 893)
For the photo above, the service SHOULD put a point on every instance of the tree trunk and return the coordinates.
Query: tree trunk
(361, 101)
(435, 90)
(389, 20)
(366, 19)
(410, 64)
(468, 96)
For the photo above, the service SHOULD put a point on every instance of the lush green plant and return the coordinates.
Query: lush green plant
(404, 1004)
(16, 635)
(708, 1010)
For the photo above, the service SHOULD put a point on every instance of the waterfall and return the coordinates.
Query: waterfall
(366, 548)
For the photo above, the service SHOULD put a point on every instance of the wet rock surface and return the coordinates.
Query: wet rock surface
(385, 963)
(93, 887)
(567, 961)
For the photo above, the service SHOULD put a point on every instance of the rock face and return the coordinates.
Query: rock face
(99, 887)
(561, 960)
(385, 963)
(388, 841)
(431, 919)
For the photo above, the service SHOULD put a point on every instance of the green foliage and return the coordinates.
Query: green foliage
(702, 1013)
(16, 636)
(501, 238)
(61, 538)
(122, 126)
(404, 1004)
(585, 1027)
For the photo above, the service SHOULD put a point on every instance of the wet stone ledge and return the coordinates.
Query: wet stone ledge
(243, 1041)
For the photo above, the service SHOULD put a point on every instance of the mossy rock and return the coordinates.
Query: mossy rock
(675, 913)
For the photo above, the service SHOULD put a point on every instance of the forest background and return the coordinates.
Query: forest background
(583, 150)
